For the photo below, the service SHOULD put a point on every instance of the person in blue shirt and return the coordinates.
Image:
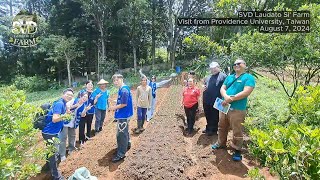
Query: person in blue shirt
(235, 91)
(123, 112)
(154, 86)
(87, 120)
(100, 98)
(80, 113)
(55, 121)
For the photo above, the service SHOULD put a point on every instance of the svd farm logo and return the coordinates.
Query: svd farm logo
(24, 30)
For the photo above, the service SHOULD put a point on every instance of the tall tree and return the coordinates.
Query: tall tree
(101, 12)
(136, 17)
(63, 49)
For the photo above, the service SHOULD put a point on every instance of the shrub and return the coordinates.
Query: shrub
(305, 106)
(18, 153)
(293, 152)
(34, 83)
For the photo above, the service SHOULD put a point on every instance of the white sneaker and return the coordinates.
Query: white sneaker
(63, 158)
(148, 120)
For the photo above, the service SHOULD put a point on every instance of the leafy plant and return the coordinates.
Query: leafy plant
(34, 83)
(293, 151)
(19, 155)
(254, 174)
(305, 106)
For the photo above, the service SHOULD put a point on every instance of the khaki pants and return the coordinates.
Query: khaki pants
(233, 119)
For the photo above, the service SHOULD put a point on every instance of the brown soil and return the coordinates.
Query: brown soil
(162, 151)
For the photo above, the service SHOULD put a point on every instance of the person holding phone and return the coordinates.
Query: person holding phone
(100, 98)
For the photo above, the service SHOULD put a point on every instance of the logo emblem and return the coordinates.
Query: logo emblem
(24, 32)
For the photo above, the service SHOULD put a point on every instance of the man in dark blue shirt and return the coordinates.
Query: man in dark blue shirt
(123, 112)
(212, 85)
(54, 126)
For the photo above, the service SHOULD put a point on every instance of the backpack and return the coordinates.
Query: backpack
(39, 121)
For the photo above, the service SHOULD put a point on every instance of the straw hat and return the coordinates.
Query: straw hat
(102, 81)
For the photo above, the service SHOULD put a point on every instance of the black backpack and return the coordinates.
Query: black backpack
(40, 118)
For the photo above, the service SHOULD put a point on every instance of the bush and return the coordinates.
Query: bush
(292, 152)
(34, 83)
(305, 106)
(18, 153)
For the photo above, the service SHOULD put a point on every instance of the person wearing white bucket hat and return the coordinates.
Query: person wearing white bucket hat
(100, 98)
(212, 85)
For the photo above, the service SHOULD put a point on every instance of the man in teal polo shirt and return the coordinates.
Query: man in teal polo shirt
(235, 91)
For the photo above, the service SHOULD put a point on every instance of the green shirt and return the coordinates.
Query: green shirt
(238, 86)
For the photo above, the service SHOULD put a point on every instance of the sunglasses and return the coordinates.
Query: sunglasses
(237, 64)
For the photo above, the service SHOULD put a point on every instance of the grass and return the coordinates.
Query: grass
(267, 102)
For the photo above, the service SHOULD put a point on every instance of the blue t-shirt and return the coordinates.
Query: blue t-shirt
(90, 101)
(238, 86)
(102, 102)
(59, 107)
(77, 113)
(153, 86)
(124, 97)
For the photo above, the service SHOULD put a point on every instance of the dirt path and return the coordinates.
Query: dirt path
(162, 151)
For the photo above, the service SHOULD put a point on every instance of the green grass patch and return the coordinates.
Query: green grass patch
(268, 101)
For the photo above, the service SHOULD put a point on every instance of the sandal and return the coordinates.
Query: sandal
(217, 146)
(237, 156)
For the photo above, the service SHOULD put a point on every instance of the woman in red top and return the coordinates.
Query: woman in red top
(190, 99)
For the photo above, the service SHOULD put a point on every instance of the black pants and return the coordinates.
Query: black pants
(191, 115)
(212, 116)
(85, 120)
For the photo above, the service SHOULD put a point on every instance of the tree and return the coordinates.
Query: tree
(19, 155)
(202, 49)
(294, 55)
(180, 8)
(101, 11)
(135, 17)
(63, 49)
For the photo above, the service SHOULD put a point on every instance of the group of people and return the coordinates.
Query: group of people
(90, 103)
(234, 89)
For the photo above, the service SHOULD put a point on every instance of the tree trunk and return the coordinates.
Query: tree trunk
(69, 72)
(119, 56)
(10, 5)
(135, 59)
(153, 50)
(170, 30)
(103, 49)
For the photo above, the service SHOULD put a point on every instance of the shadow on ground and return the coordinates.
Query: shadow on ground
(106, 161)
(227, 166)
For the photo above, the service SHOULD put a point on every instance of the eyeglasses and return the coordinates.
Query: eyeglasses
(237, 64)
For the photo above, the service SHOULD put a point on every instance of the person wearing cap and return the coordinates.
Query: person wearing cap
(212, 85)
(55, 119)
(123, 112)
(100, 98)
(154, 86)
(235, 91)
